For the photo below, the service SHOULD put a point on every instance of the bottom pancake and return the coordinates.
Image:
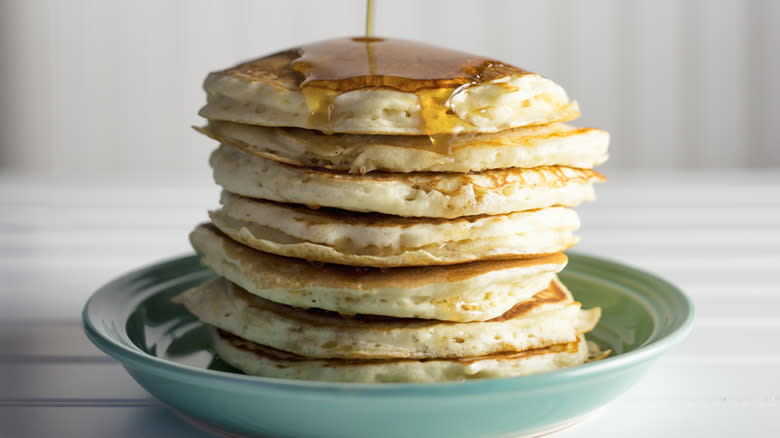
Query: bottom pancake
(259, 360)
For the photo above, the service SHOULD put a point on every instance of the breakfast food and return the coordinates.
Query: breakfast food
(383, 86)
(549, 317)
(556, 144)
(474, 291)
(261, 360)
(446, 195)
(393, 211)
(337, 236)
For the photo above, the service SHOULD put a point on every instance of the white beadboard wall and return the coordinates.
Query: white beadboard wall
(96, 87)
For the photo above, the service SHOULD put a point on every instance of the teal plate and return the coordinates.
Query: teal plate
(167, 351)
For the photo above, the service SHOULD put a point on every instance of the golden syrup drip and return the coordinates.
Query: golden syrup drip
(333, 67)
(369, 18)
(441, 143)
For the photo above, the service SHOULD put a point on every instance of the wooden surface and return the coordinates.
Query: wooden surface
(715, 234)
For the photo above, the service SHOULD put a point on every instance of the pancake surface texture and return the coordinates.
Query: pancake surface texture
(533, 146)
(549, 317)
(461, 92)
(445, 195)
(341, 237)
(256, 359)
(474, 291)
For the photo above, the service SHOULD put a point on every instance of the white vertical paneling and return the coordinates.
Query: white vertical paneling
(529, 45)
(770, 71)
(655, 79)
(440, 22)
(152, 84)
(595, 69)
(763, 33)
(103, 82)
(8, 116)
(625, 87)
(690, 70)
(92, 87)
(721, 84)
(28, 65)
(70, 94)
(404, 18)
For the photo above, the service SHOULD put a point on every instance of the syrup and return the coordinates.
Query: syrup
(369, 18)
(329, 68)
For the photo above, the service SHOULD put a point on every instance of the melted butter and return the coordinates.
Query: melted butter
(330, 68)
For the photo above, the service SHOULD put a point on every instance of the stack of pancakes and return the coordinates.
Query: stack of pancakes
(373, 231)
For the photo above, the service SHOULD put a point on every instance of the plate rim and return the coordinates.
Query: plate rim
(136, 358)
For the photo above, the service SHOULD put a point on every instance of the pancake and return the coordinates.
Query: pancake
(445, 195)
(547, 145)
(549, 317)
(466, 292)
(365, 239)
(259, 360)
(383, 86)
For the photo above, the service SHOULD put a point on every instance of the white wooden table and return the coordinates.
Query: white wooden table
(716, 234)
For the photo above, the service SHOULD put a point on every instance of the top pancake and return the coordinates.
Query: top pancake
(383, 86)
(259, 360)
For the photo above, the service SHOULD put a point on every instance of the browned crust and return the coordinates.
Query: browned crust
(553, 294)
(283, 356)
(274, 68)
(494, 179)
(325, 215)
(319, 317)
(524, 136)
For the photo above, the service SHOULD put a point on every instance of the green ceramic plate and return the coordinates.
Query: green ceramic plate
(166, 350)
